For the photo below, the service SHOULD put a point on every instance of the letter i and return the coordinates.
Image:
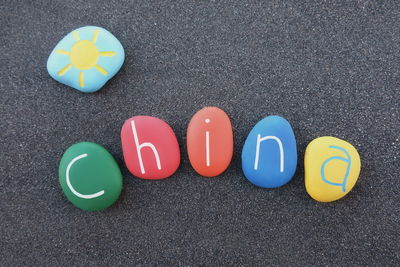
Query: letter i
(208, 145)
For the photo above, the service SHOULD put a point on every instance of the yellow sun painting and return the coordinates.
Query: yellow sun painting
(84, 55)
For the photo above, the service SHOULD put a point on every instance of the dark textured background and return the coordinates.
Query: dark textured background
(329, 68)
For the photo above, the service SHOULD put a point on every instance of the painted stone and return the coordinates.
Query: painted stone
(89, 176)
(86, 59)
(332, 167)
(150, 147)
(210, 141)
(269, 155)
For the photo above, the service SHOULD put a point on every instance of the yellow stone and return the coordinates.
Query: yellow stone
(332, 167)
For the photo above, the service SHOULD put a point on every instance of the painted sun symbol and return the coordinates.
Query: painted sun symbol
(84, 55)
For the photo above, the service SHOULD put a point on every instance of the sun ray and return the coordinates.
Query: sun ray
(64, 70)
(62, 52)
(81, 79)
(101, 70)
(76, 36)
(107, 53)
(95, 34)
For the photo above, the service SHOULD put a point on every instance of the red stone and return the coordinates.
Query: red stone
(150, 147)
(210, 141)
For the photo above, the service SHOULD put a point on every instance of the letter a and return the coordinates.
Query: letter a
(347, 160)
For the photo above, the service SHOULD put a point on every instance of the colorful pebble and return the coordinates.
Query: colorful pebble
(269, 155)
(210, 141)
(332, 167)
(86, 59)
(89, 176)
(150, 147)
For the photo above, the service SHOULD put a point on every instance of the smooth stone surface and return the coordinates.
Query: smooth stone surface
(89, 176)
(269, 155)
(150, 147)
(86, 59)
(210, 141)
(332, 167)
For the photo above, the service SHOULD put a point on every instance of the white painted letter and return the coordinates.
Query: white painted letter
(140, 146)
(76, 193)
(207, 145)
(259, 140)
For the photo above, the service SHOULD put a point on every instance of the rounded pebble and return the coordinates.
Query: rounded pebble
(150, 147)
(89, 176)
(332, 167)
(269, 155)
(210, 141)
(86, 58)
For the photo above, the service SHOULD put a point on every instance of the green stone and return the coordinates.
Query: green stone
(89, 176)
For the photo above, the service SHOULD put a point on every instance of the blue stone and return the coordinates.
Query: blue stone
(269, 155)
(86, 58)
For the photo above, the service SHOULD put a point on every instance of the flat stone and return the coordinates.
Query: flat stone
(89, 176)
(332, 167)
(210, 141)
(150, 147)
(269, 155)
(86, 58)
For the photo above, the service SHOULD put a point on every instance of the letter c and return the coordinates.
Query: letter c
(70, 185)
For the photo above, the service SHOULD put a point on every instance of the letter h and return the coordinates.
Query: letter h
(140, 146)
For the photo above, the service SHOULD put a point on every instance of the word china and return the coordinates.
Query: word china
(92, 180)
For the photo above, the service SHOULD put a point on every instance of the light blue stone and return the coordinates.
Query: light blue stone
(94, 76)
(269, 155)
